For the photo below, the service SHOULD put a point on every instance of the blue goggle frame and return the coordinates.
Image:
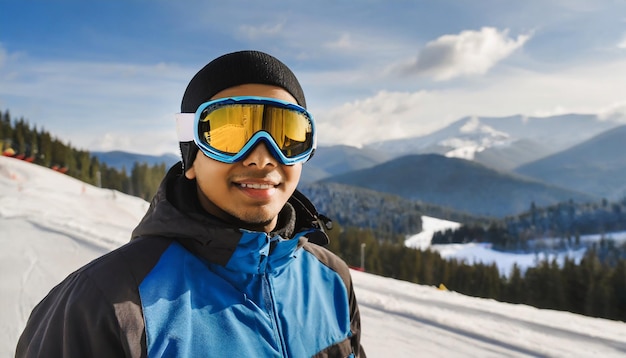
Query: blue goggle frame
(259, 136)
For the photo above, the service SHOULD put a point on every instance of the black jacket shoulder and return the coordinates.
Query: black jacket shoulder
(94, 306)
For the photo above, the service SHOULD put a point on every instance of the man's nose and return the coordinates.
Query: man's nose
(260, 156)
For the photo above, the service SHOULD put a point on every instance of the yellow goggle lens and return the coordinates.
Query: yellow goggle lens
(229, 127)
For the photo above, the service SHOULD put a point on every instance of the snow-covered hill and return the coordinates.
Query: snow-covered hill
(482, 253)
(51, 224)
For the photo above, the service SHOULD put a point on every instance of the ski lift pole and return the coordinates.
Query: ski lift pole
(363, 256)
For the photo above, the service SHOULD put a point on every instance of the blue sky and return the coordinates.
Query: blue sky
(107, 75)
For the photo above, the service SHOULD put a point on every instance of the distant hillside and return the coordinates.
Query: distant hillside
(119, 159)
(386, 213)
(459, 184)
(339, 159)
(597, 166)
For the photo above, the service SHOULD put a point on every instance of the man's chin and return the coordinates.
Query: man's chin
(257, 223)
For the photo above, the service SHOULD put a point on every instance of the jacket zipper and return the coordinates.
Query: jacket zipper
(274, 316)
(273, 312)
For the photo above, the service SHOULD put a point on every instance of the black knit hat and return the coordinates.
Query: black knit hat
(233, 69)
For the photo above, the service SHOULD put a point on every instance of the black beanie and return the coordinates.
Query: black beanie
(233, 69)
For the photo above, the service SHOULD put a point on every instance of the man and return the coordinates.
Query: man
(228, 259)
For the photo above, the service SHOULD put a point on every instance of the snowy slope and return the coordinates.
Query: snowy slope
(51, 224)
(482, 252)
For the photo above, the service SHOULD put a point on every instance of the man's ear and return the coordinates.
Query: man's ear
(190, 173)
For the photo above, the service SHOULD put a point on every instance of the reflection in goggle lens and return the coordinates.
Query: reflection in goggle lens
(227, 128)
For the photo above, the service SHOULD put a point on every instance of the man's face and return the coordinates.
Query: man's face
(250, 192)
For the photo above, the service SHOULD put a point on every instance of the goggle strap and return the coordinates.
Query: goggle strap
(185, 126)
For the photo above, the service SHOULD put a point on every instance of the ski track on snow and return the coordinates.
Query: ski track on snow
(449, 333)
(474, 325)
(485, 314)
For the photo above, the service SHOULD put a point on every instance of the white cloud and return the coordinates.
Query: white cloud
(265, 30)
(343, 42)
(386, 115)
(549, 112)
(615, 111)
(81, 102)
(622, 44)
(593, 89)
(468, 53)
(159, 141)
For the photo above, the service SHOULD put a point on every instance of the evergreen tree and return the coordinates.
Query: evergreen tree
(7, 131)
(33, 143)
(82, 170)
(617, 281)
(590, 266)
(574, 287)
(515, 289)
(45, 149)
(19, 137)
(59, 155)
(69, 161)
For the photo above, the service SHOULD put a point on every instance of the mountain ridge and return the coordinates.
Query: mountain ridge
(459, 184)
(120, 159)
(595, 166)
(468, 136)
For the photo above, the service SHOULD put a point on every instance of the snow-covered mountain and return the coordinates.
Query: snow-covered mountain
(51, 224)
(488, 139)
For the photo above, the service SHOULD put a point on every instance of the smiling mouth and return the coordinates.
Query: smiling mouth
(257, 186)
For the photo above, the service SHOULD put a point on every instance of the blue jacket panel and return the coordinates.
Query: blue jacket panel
(271, 307)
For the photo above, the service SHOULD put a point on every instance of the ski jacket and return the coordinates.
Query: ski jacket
(189, 285)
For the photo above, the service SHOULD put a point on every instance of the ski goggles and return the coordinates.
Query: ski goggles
(228, 129)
